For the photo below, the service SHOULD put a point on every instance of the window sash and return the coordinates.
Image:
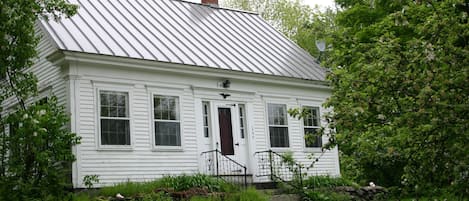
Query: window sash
(312, 119)
(166, 118)
(278, 125)
(165, 107)
(317, 138)
(242, 120)
(115, 133)
(311, 124)
(118, 108)
(206, 118)
(278, 139)
(114, 125)
(170, 137)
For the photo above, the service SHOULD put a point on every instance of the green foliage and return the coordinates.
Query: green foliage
(40, 152)
(90, 180)
(185, 182)
(176, 183)
(250, 194)
(399, 73)
(326, 195)
(327, 182)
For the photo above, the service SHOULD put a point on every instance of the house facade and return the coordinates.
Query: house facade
(152, 85)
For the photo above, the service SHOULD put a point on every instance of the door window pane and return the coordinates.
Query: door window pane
(206, 117)
(242, 120)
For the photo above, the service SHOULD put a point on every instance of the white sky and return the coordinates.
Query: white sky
(320, 3)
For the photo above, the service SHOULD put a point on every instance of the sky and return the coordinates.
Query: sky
(320, 3)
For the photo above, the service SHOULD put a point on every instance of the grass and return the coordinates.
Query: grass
(212, 188)
(176, 183)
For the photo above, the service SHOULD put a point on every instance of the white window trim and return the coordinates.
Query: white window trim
(302, 128)
(269, 145)
(100, 146)
(156, 148)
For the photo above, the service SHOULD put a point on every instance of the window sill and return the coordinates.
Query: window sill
(312, 150)
(167, 149)
(115, 148)
(280, 149)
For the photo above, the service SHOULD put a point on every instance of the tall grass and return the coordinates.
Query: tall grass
(176, 183)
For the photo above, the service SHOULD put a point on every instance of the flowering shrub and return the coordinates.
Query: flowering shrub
(36, 154)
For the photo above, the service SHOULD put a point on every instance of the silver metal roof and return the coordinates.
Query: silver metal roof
(182, 32)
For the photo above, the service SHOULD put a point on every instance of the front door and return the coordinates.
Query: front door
(226, 131)
(228, 139)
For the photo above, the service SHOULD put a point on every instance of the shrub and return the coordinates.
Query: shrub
(39, 153)
(176, 183)
(327, 182)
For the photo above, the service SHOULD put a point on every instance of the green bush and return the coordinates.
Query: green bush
(176, 183)
(327, 182)
(39, 153)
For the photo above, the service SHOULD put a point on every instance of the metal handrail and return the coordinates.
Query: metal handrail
(218, 175)
(295, 165)
(216, 150)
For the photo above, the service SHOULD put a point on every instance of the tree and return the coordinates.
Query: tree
(37, 146)
(400, 79)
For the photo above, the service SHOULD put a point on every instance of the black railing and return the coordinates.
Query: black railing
(221, 166)
(279, 168)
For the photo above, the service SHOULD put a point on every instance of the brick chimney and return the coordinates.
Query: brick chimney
(210, 2)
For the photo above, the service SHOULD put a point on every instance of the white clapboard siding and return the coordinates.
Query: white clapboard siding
(141, 163)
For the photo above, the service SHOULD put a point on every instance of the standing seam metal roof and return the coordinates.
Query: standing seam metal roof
(182, 32)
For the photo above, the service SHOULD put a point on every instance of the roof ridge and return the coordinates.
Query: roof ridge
(217, 7)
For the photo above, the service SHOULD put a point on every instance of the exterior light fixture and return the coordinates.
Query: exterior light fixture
(226, 84)
(321, 45)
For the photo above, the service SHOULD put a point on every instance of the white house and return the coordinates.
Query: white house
(152, 84)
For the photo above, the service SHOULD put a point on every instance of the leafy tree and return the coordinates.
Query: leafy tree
(400, 79)
(38, 146)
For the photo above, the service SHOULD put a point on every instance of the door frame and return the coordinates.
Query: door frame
(241, 156)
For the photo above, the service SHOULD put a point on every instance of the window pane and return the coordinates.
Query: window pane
(166, 107)
(312, 139)
(277, 114)
(167, 133)
(312, 117)
(242, 119)
(205, 110)
(206, 132)
(115, 132)
(113, 104)
(278, 136)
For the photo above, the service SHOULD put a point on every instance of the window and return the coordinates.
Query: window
(167, 121)
(114, 118)
(311, 127)
(206, 116)
(242, 120)
(278, 126)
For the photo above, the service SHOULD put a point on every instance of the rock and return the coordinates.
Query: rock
(363, 193)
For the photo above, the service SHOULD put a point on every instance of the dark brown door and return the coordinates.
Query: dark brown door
(226, 131)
